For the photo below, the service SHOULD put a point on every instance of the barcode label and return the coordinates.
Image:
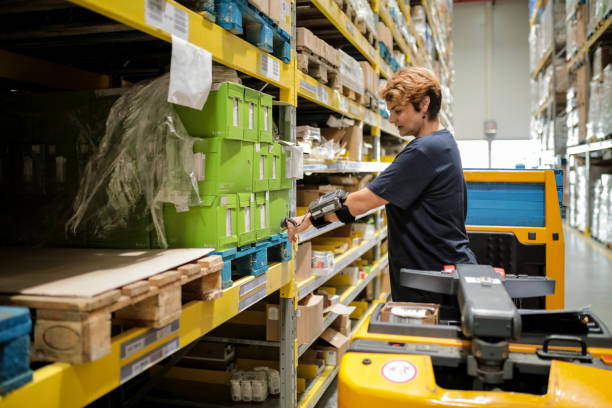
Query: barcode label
(138, 343)
(140, 364)
(305, 85)
(355, 110)
(322, 94)
(167, 17)
(372, 53)
(228, 222)
(247, 219)
(343, 103)
(269, 67)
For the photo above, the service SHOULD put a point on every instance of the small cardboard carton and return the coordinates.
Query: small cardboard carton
(410, 312)
(303, 262)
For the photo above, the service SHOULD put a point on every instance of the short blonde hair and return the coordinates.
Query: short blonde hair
(411, 85)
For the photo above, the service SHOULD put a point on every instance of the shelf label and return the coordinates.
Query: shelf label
(255, 283)
(252, 299)
(138, 343)
(355, 110)
(137, 366)
(372, 52)
(322, 94)
(167, 17)
(349, 27)
(307, 86)
(269, 67)
(343, 103)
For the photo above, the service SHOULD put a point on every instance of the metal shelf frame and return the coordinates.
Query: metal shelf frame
(315, 232)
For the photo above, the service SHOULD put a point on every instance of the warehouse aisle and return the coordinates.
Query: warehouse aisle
(588, 274)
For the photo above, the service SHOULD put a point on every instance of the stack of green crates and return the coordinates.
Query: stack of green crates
(240, 172)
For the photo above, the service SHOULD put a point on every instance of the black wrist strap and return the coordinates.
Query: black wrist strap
(344, 215)
(319, 222)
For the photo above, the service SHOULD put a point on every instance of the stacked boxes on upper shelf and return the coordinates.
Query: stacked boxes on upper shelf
(239, 169)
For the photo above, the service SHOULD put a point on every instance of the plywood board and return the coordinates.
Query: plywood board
(84, 272)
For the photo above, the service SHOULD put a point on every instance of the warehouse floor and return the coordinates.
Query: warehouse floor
(588, 282)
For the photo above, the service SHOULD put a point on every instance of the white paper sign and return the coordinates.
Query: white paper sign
(190, 74)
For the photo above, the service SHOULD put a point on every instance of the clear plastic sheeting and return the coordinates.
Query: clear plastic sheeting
(144, 159)
(351, 74)
(606, 102)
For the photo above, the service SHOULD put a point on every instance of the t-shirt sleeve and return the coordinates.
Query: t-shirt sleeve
(405, 179)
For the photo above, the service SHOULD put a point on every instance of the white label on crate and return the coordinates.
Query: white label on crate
(262, 215)
(269, 67)
(266, 121)
(349, 26)
(261, 167)
(267, 196)
(307, 86)
(137, 366)
(273, 313)
(247, 219)
(133, 346)
(228, 222)
(223, 200)
(200, 166)
(322, 94)
(257, 147)
(251, 115)
(60, 169)
(236, 113)
(252, 197)
(274, 167)
(399, 371)
(343, 103)
(270, 149)
(167, 17)
(355, 110)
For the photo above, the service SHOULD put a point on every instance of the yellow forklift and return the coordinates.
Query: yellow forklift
(505, 343)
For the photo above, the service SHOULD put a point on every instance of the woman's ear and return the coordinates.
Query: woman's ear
(425, 104)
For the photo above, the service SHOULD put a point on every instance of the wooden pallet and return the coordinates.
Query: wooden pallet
(318, 68)
(351, 94)
(366, 31)
(78, 329)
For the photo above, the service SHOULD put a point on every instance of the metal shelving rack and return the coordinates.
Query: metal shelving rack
(69, 385)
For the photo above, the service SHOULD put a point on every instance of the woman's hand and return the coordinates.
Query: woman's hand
(302, 223)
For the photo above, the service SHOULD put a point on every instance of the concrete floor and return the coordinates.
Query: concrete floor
(588, 282)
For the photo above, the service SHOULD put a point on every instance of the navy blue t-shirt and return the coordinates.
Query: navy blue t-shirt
(427, 196)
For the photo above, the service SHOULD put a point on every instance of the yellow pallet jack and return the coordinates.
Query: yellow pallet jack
(485, 352)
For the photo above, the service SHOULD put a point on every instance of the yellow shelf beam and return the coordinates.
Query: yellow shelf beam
(330, 9)
(542, 107)
(225, 47)
(535, 12)
(543, 62)
(76, 385)
(586, 46)
(311, 89)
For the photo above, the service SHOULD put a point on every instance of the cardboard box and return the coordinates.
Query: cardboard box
(338, 342)
(431, 312)
(354, 142)
(385, 282)
(306, 39)
(262, 5)
(306, 196)
(342, 324)
(280, 13)
(370, 81)
(309, 319)
(384, 35)
(303, 262)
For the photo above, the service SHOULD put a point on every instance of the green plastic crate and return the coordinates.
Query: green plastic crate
(261, 166)
(265, 118)
(246, 219)
(222, 115)
(285, 182)
(251, 115)
(262, 215)
(213, 224)
(279, 209)
(274, 166)
(223, 166)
